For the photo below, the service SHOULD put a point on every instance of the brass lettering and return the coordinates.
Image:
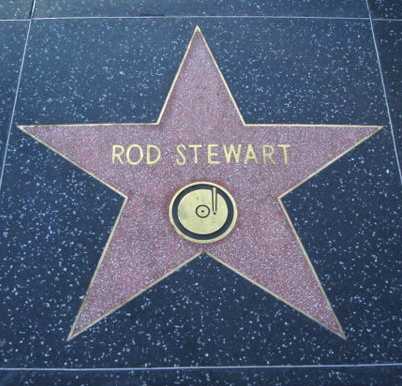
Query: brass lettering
(195, 151)
(140, 154)
(230, 151)
(285, 153)
(157, 154)
(250, 154)
(117, 152)
(211, 153)
(180, 149)
(268, 154)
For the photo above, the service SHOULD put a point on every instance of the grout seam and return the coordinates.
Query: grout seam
(385, 94)
(17, 90)
(197, 368)
(201, 17)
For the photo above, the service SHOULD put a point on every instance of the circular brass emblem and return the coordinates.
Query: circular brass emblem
(203, 212)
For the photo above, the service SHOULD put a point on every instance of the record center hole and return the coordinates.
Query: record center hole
(202, 211)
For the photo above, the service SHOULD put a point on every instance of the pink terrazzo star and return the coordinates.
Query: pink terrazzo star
(144, 248)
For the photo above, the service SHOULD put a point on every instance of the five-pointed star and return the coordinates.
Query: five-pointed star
(144, 248)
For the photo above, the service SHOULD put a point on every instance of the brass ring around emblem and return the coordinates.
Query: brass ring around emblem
(203, 212)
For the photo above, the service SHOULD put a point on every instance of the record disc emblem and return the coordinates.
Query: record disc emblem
(203, 212)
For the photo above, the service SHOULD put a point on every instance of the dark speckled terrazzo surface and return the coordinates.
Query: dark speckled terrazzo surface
(15, 9)
(328, 8)
(55, 219)
(113, 77)
(227, 377)
(386, 9)
(389, 35)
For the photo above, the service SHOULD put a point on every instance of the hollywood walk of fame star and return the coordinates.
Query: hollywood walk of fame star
(143, 247)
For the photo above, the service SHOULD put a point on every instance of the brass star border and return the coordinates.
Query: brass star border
(197, 30)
